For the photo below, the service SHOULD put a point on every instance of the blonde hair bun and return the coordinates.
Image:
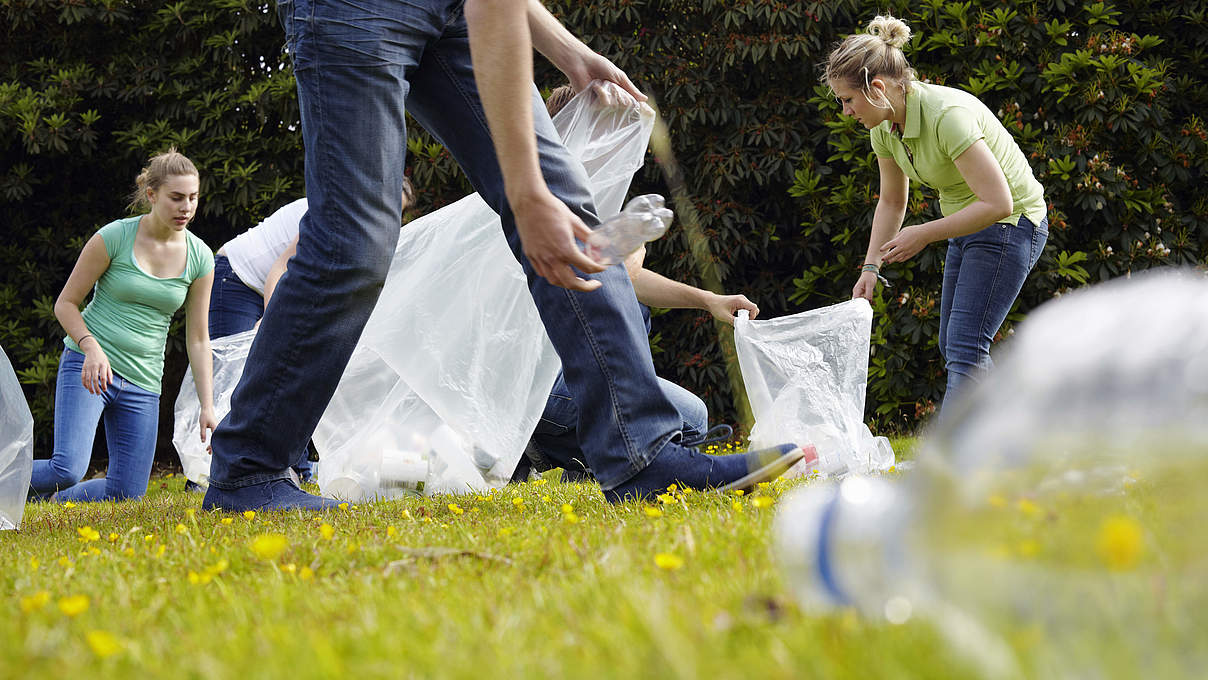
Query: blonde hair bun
(890, 29)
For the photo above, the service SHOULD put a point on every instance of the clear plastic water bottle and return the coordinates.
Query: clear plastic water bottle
(643, 219)
(1053, 527)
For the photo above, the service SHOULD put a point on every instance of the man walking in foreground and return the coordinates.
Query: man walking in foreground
(467, 77)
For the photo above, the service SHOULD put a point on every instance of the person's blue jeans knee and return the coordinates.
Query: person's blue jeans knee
(131, 417)
(555, 440)
(983, 274)
(355, 65)
(235, 307)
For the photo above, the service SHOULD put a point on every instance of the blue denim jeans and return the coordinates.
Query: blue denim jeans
(555, 440)
(131, 416)
(983, 274)
(235, 307)
(357, 65)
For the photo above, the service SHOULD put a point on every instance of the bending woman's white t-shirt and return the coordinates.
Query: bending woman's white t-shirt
(253, 252)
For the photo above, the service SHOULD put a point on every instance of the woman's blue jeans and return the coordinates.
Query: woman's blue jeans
(235, 307)
(983, 274)
(358, 65)
(131, 416)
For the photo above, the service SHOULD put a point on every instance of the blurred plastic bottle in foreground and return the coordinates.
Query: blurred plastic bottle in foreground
(1054, 526)
(643, 219)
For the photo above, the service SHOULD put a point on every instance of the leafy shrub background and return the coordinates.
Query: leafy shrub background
(1106, 97)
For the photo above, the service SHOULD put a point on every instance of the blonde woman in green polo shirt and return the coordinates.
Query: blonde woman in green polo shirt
(141, 270)
(994, 215)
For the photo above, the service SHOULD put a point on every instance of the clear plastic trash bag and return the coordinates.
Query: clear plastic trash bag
(16, 447)
(806, 376)
(454, 367)
(230, 353)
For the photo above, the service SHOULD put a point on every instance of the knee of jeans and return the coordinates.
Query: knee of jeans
(65, 471)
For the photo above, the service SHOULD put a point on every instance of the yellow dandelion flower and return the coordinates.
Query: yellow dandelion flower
(735, 505)
(342, 506)
(220, 566)
(149, 537)
(306, 573)
(227, 520)
(541, 482)
(194, 578)
(1027, 507)
(170, 475)
(570, 518)
(269, 547)
(668, 561)
(1120, 542)
(113, 537)
(290, 568)
(672, 488)
(64, 562)
(182, 529)
(391, 531)
(666, 498)
(545, 498)
(518, 502)
(160, 552)
(94, 551)
(33, 563)
(762, 501)
(69, 504)
(652, 511)
(128, 552)
(504, 532)
(327, 531)
(73, 605)
(763, 485)
(249, 514)
(739, 492)
(88, 534)
(102, 643)
(567, 508)
(34, 602)
(455, 509)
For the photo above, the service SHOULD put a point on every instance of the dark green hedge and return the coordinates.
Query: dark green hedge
(1106, 97)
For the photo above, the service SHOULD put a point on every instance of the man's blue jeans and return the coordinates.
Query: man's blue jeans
(235, 307)
(356, 65)
(983, 274)
(555, 440)
(131, 416)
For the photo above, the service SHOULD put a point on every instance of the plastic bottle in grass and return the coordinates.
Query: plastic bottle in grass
(1053, 527)
(643, 219)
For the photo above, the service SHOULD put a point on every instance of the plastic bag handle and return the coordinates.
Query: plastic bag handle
(744, 314)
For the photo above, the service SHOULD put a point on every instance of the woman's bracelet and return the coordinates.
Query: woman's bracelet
(80, 342)
(876, 271)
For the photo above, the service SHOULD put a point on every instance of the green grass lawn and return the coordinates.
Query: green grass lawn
(540, 579)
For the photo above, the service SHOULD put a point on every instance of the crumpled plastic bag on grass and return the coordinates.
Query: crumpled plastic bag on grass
(454, 367)
(16, 447)
(230, 353)
(806, 377)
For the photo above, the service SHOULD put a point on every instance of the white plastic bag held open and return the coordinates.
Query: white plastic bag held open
(16, 447)
(806, 376)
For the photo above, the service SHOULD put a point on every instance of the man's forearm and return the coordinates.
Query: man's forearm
(502, 52)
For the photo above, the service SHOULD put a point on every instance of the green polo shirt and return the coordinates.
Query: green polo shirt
(131, 310)
(941, 124)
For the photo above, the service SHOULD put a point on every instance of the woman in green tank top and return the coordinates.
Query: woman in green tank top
(141, 270)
